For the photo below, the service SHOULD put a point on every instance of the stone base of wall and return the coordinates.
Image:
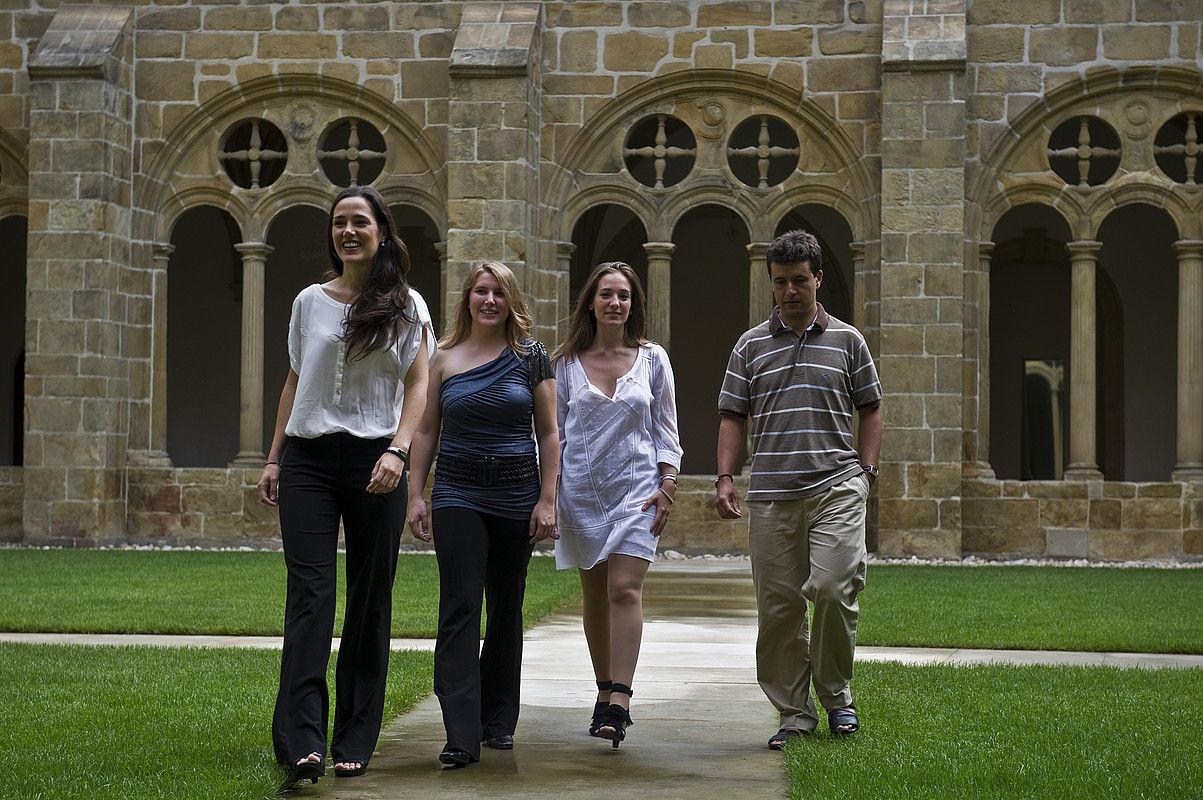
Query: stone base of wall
(12, 502)
(1095, 520)
(203, 507)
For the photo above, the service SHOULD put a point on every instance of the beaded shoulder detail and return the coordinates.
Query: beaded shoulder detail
(538, 364)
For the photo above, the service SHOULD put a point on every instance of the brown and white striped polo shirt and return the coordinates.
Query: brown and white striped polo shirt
(799, 393)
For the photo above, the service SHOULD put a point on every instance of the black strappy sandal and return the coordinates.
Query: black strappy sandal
(617, 719)
(599, 708)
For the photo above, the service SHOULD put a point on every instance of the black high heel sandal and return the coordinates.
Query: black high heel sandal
(617, 719)
(599, 708)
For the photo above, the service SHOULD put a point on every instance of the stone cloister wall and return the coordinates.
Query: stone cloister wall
(920, 121)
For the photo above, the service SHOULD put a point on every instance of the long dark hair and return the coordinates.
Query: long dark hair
(582, 325)
(375, 318)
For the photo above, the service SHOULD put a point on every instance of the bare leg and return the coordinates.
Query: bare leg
(626, 574)
(595, 590)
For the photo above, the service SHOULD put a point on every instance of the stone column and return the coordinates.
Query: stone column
(760, 288)
(977, 367)
(493, 123)
(1190, 360)
(922, 286)
(250, 409)
(1083, 372)
(659, 290)
(564, 298)
(157, 454)
(83, 338)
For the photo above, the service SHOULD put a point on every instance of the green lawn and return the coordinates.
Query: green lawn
(128, 591)
(1043, 608)
(138, 723)
(1010, 732)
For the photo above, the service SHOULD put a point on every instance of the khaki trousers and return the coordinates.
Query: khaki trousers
(813, 550)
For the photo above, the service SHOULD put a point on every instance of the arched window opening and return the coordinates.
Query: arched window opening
(204, 327)
(709, 312)
(13, 232)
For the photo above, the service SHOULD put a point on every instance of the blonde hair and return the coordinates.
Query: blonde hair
(582, 325)
(517, 323)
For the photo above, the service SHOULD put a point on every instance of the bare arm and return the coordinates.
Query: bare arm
(730, 437)
(869, 434)
(421, 451)
(269, 483)
(390, 468)
(543, 518)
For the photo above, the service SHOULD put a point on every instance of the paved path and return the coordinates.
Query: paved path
(701, 720)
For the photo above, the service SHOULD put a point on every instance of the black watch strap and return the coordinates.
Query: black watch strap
(399, 453)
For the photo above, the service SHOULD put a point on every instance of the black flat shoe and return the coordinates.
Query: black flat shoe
(454, 758)
(503, 742)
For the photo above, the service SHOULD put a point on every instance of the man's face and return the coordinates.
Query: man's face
(794, 288)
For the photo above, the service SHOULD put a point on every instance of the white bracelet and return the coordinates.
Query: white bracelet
(666, 494)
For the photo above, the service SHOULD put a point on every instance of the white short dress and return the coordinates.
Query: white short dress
(610, 448)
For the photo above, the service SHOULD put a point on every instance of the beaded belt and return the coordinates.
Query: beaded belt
(487, 471)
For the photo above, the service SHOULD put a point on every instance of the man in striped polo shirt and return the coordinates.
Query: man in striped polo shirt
(798, 378)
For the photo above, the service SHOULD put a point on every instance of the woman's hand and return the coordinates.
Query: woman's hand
(418, 519)
(387, 474)
(543, 521)
(269, 485)
(663, 501)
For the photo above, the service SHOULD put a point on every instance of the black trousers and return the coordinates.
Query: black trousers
(321, 481)
(478, 687)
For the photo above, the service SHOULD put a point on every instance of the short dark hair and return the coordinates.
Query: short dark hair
(794, 247)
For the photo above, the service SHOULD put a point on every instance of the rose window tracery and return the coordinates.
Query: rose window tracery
(253, 153)
(1176, 148)
(352, 152)
(660, 151)
(763, 151)
(1084, 151)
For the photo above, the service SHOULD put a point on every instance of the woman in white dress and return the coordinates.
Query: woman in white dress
(619, 457)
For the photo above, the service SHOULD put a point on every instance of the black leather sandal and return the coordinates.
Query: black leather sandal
(599, 708)
(353, 772)
(306, 770)
(838, 718)
(616, 719)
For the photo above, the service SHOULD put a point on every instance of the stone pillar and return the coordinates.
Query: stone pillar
(250, 409)
(564, 298)
(760, 288)
(659, 291)
(922, 278)
(493, 121)
(977, 367)
(79, 342)
(1083, 372)
(1190, 360)
(157, 454)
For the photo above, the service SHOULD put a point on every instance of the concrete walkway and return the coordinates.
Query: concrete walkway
(701, 722)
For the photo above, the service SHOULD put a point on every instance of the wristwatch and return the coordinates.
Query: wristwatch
(871, 471)
(399, 453)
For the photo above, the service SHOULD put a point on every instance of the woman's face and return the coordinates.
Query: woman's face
(354, 231)
(612, 300)
(487, 305)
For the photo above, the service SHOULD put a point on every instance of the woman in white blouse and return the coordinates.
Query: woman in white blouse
(358, 350)
(619, 457)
